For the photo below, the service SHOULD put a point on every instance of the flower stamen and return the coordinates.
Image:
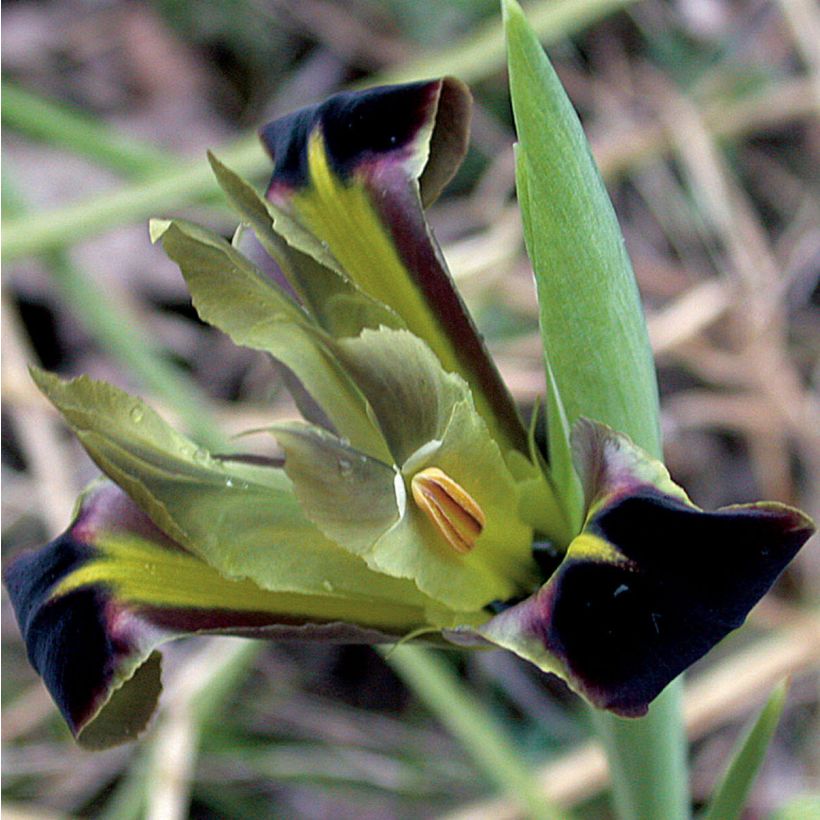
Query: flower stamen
(451, 509)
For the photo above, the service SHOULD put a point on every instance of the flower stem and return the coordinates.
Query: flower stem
(647, 759)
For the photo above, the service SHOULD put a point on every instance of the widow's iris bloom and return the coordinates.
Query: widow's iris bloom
(411, 500)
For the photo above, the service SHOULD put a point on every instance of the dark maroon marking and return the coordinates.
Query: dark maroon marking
(402, 216)
(266, 625)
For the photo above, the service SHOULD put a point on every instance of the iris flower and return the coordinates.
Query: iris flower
(411, 500)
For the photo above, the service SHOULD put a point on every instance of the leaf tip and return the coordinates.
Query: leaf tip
(157, 228)
(509, 8)
(215, 163)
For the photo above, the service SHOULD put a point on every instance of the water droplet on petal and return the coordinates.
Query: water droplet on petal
(345, 468)
(229, 482)
(200, 455)
(327, 585)
(136, 413)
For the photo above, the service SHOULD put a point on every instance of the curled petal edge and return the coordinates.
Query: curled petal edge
(650, 585)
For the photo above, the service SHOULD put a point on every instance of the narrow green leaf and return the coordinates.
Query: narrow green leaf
(561, 472)
(591, 320)
(71, 128)
(598, 351)
(733, 788)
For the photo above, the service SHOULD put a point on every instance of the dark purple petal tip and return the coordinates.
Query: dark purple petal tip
(361, 126)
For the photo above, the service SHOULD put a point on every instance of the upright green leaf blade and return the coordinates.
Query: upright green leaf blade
(591, 321)
(731, 792)
(598, 351)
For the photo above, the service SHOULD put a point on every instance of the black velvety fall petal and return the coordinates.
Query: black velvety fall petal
(652, 582)
(77, 642)
(94, 604)
(624, 630)
(356, 125)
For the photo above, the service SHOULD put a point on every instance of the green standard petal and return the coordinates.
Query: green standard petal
(242, 519)
(351, 497)
(366, 506)
(500, 565)
(651, 584)
(354, 172)
(229, 292)
(94, 604)
(410, 394)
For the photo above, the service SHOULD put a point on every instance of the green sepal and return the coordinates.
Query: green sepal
(242, 519)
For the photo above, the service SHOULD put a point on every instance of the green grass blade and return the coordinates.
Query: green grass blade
(64, 127)
(484, 740)
(482, 51)
(732, 790)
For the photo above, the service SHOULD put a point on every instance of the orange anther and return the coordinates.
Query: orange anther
(451, 509)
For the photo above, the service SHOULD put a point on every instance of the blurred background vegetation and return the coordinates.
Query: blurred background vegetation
(703, 117)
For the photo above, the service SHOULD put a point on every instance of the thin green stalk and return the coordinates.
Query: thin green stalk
(480, 736)
(119, 334)
(477, 56)
(191, 181)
